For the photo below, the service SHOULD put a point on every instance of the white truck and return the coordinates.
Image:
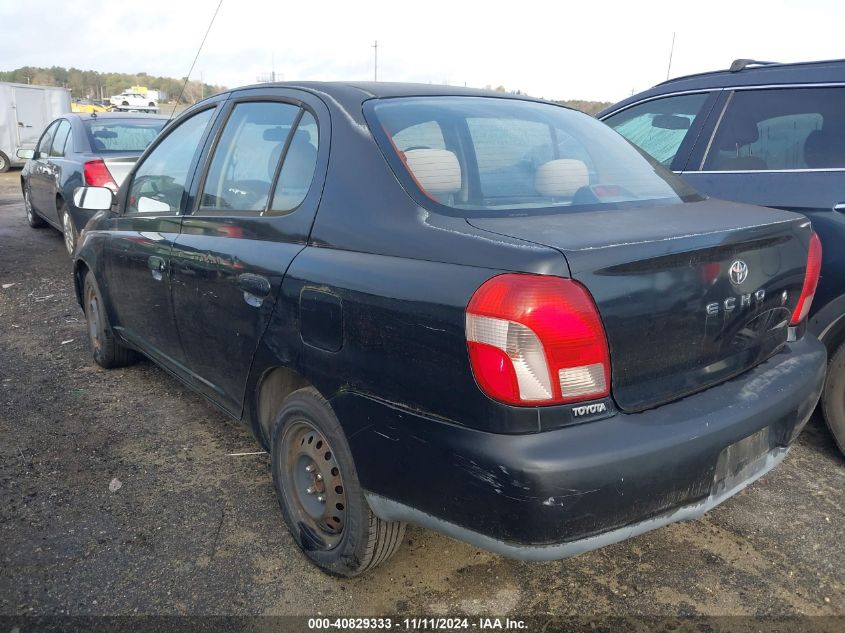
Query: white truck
(25, 111)
(134, 100)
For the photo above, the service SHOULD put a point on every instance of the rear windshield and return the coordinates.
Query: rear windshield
(492, 156)
(123, 135)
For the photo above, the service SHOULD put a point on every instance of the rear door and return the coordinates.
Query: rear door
(137, 258)
(252, 215)
(53, 166)
(785, 148)
(30, 114)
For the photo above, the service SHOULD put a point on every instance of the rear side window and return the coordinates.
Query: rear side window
(59, 142)
(46, 142)
(659, 127)
(247, 156)
(492, 156)
(123, 135)
(298, 166)
(780, 129)
(158, 184)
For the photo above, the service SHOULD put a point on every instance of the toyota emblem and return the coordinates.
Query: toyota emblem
(738, 272)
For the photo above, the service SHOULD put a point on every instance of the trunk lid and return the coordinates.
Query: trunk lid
(677, 319)
(118, 164)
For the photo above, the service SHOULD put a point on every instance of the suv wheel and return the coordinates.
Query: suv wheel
(4, 163)
(35, 220)
(833, 397)
(108, 353)
(319, 493)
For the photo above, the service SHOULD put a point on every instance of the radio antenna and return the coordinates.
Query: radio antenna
(671, 51)
(196, 57)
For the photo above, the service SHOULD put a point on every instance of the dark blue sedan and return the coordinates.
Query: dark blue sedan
(76, 150)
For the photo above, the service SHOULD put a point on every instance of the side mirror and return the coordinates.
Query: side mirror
(93, 198)
(25, 154)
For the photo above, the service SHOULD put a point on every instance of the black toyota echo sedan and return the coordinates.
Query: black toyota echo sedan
(479, 313)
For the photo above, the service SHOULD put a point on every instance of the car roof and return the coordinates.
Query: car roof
(83, 116)
(354, 93)
(748, 73)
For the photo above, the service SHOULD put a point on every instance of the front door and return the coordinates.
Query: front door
(30, 115)
(137, 258)
(253, 213)
(40, 180)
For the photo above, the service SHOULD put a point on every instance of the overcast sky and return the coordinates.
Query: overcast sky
(558, 50)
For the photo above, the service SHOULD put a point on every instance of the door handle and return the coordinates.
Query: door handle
(839, 207)
(255, 288)
(157, 266)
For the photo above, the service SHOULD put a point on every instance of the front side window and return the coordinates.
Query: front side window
(780, 129)
(247, 156)
(158, 185)
(659, 126)
(506, 156)
(122, 135)
(60, 140)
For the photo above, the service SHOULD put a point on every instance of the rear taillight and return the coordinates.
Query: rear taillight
(536, 339)
(98, 175)
(811, 281)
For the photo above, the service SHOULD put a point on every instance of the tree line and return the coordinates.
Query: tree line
(91, 84)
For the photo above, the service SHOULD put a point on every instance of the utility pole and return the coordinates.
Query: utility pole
(671, 50)
(375, 61)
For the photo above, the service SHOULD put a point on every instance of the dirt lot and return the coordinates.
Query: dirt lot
(195, 530)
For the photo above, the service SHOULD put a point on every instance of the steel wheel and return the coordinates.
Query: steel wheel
(4, 163)
(318, 492)
(92, 314)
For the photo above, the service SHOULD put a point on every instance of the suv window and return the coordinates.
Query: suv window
(659, 126)
(158, 185)
(46, 141)
(780, 129)
(58, 147)
(247, 155)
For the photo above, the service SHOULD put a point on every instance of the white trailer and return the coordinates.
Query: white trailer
(24, 113)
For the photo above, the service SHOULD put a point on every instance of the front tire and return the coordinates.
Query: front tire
(833, 397)
(32, 217)
(5, 165)
(107, 352)
(319, 493)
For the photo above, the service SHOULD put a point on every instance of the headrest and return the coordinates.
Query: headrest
(561, 178)
(436, 170)
(824, 149)
(740, 132)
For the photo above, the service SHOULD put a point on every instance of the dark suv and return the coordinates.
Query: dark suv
(487, 315)
(769, 134)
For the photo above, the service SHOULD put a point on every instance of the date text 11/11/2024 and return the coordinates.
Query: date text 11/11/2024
(417, 624)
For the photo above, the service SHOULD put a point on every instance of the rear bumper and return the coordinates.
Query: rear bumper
(559, 493)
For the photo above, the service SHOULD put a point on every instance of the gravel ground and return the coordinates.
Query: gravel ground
(193, 529)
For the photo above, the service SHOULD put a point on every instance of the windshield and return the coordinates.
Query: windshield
(123, 135)
(504, 156)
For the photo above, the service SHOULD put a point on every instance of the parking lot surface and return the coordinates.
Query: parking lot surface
(194, 526)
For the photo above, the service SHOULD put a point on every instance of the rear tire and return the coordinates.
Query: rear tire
(108, 353)
(69, 232)
(32, 217)
(319, 493)
(833, 397)
(5, 165)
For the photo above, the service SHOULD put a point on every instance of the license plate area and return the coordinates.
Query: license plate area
(740, 461)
